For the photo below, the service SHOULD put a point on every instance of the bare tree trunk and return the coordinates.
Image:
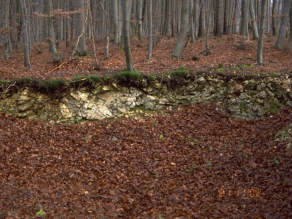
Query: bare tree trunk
(96, 66)
(274, 19)
(68, 30)
(150, 30)
(51, 31)
(126, 5)
(283, 26)
(244, 20)
(5, 32)
(254, 22)
(262, 32)
(178, 51)
(139, 8)
(219, 18)
(79, 27)
(25, 35)
(115, 18)
(226, 16)
(208, 28)
(191, 22)
(202, 20)
(291, 22)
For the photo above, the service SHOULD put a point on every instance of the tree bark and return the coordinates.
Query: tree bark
(140, 30)
(150, 30)
(79, 26)
(202, 20)
(5, 32)
(51, 31)
(226, 16)
(115, 18)
(219, 18)
(126, 7)
(244, 18)
(283, 25)
(254, 22)
(178, 51)
(208, 27)
(25, 35)
(191, 22)
(262, 32)
(274, 18)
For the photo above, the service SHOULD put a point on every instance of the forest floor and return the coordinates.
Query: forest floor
(222, 51)
(194, 162)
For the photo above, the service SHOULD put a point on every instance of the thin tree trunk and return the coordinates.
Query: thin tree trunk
(274, 19)
(283, 25)
(79, 26)
(150, 30)
(262, 32)
(253, 21)
(52, 39)
(208, 28)
(5, 32)
(244, 20)
(139, 8)
(178, 51)
(126, 7)
(191, 22)
(202, 20)
(291, 22)
(115, 18)
(25, 35)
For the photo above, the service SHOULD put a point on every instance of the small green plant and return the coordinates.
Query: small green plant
(202, 138)
(86, 139)
(209, 164)
(147, 161)
(241, 140)
(249, 57)
(203, 146)
(192, 143)
(219, 40)
(80, 78)
(276, 47)
(196, 140)
(41, 212)
(148, 63)
(172, 56)
(274, 107)
(155, 124)
(276, 161)
(158, 60)
(211, 149)
(220, 70)
(221, 65)
(161, 137)
(154, 54)
(160, 217)
(274, 74)
(187, 170)
(156, 174)
(31, 55)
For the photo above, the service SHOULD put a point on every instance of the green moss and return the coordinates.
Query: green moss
(274, 74)
(23, 80)
(3, 81)
(95, 78)
(85, 53)
(179, 72)
(80, 78)
(76, 53)
(55, 83)
(276, 47)
(130, 75)
(274, 107)
(249, 58)
(247, 66)
(243, 107)
(220, 70)
(221, 65)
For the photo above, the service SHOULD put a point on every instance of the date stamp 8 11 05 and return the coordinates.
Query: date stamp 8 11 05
(245, 193)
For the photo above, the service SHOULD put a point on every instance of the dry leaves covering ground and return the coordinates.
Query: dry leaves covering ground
(190, 163)
(222, 51)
